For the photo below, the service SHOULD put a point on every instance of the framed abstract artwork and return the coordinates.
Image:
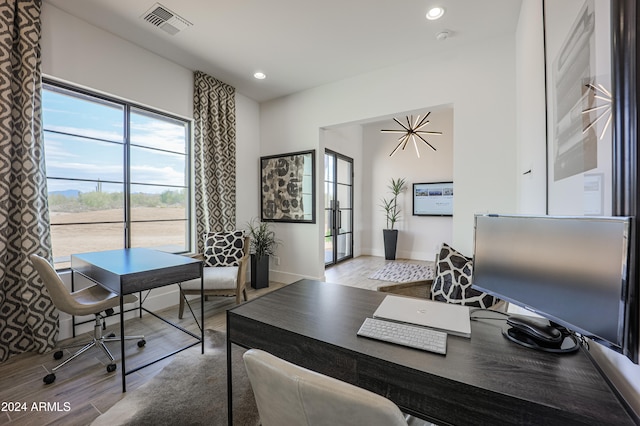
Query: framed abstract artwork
(577, 36)
(288, 187)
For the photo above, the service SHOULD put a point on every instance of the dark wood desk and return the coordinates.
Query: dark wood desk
(127, 271)
(484, 380)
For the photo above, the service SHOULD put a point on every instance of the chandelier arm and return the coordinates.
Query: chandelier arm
(420, 127)
(605, 91)
(596, 108)
(424, 132)
(599, 88)
(425, 141)
(423, 121)
(415, 144)
(406, 139)
(402, 125)
(606, 126)
(396, 148)
(596, 120)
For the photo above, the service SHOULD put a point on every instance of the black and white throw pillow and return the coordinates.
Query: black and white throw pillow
(452, 282)
(223, 248)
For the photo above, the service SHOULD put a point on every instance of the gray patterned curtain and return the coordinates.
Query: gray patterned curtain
(214, 114)
(28, 319)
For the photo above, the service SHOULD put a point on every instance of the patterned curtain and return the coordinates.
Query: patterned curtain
(214, 113)
(28, 319)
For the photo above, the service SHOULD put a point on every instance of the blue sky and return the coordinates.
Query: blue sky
(83, 158)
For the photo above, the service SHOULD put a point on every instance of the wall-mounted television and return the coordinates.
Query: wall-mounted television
(433, 199)
(570, 270)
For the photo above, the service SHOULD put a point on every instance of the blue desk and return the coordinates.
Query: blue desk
(127, 271)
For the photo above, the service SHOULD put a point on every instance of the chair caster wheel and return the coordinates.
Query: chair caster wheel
(49, 378)
(141, 343)
(111, 335)
(57, 355)
(111, 368)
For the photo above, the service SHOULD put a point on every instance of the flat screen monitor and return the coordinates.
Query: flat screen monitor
(433, 199)
(570, 270)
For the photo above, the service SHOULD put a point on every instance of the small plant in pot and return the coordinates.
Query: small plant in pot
(263, 244)
(392, 212)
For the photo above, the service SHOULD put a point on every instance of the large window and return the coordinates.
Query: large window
(117, 175)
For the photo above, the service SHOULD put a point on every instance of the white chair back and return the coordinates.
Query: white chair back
(287, 394)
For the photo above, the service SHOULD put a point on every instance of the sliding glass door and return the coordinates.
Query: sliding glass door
(338, 207)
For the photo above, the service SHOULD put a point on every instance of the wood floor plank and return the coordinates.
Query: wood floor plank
(84, 382)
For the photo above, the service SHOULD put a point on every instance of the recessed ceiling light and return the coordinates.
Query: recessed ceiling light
(260, 75)
(435, 13)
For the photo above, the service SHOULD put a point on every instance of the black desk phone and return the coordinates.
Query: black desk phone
(540, 334)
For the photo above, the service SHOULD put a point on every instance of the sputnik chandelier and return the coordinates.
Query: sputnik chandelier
(411, 131)
(602, 94)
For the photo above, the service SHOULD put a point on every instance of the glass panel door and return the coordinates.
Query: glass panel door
(338, 186)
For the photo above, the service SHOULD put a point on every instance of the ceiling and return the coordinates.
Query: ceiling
(298, 44)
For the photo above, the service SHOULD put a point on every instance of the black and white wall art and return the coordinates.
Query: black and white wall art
(288, 187)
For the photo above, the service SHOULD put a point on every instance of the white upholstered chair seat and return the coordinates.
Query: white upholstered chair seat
(218, 278)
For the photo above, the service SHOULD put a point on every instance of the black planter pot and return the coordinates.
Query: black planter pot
(390, 243)
(259, 271)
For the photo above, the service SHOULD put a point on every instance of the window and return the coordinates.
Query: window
(117, 174)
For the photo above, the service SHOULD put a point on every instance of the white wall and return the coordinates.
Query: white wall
(531, 124)
(484, 129)
(78, 52)
(84, 55)
(247, 162)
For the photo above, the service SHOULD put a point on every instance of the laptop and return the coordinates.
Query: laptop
(452, 319)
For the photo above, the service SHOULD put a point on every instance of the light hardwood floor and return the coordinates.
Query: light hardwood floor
(83, 389)
(356, 272)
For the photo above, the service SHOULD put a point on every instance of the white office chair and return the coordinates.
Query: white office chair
(287, 394)
(91, 300)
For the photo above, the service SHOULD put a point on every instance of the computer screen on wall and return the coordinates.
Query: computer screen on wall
(571, 270)
(433, 199)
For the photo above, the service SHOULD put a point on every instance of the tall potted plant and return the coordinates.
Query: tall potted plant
(263, 244)
(392, 212)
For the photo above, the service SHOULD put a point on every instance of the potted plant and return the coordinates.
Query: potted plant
(392, 212)
(263, 244)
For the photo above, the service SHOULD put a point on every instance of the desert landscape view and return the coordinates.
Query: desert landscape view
(162, 228)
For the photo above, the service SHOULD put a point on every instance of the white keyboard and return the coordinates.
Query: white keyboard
(405, 334)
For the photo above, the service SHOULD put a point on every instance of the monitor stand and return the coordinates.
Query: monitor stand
(569, 343)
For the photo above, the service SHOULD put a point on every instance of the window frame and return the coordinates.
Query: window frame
(129, 108)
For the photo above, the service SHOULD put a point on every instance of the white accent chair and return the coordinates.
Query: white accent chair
(92, 300)
(287, 394)
(219, 280)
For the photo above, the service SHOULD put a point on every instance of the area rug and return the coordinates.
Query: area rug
(191, 390)
(402, 272)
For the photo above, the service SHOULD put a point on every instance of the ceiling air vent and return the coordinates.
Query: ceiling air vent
(161, 17)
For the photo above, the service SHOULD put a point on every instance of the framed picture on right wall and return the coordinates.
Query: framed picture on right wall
(578, 100)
